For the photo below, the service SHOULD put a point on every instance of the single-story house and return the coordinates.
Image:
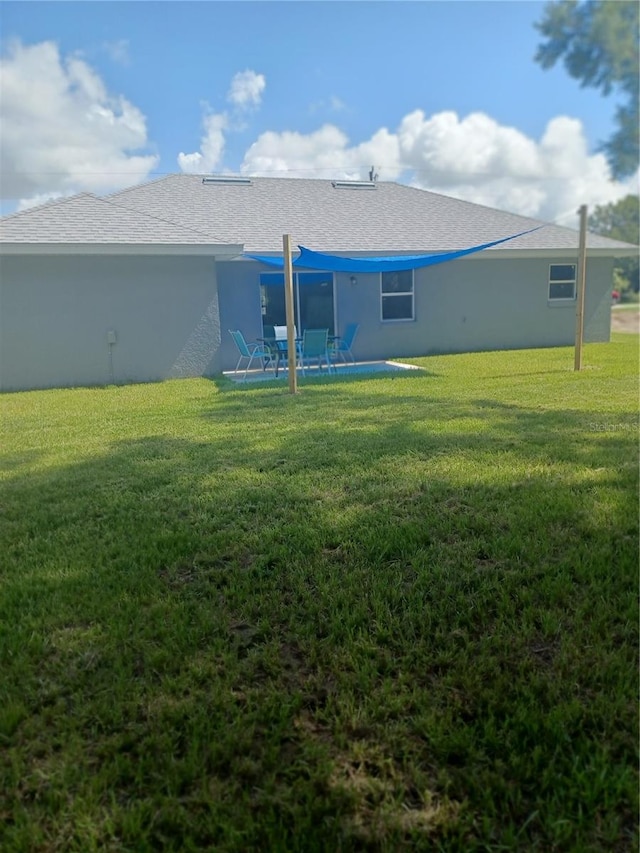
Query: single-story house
(145, 284)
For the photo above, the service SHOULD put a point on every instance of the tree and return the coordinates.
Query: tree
(598, 43)
(621, 221)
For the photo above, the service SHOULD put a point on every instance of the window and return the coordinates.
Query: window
(562, 281)
(396, 295)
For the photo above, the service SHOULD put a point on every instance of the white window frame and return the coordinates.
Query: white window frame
(403, 293)
(562, 299)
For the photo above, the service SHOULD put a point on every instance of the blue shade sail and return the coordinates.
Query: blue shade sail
(336, 263)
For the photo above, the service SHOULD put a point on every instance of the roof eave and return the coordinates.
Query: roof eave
(600, 252)
(497, 253)
(222, 251)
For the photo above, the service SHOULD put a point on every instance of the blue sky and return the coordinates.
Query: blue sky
(444, 95)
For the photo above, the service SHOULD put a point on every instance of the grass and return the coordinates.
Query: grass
(385, 614)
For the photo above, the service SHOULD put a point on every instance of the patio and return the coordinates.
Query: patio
(360, 367)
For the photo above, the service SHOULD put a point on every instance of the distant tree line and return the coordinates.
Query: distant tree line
(621, 221)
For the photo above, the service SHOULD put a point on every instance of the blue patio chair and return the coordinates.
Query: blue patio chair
(314, 347)
(250, 351)
(341, 347)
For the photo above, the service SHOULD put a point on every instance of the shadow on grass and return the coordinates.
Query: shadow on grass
(225, 383)
(347, 639)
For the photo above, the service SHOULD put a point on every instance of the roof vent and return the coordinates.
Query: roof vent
(353, 185)
(226, 179)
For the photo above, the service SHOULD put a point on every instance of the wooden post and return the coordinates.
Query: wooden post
(289, 313)
(581, 281)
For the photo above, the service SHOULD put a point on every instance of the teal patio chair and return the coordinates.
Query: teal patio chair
(250, 351)
(314, 347)
(341, 347)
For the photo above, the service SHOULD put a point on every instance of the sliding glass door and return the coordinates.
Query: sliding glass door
(312, 298)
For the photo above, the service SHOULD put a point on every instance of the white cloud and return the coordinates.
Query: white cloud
(481, 161)
(322, 154)
(473, 158)
(477, 145)
(245, 92)
(34, 201)
(61, 131)
(246, 89)
(211, 147)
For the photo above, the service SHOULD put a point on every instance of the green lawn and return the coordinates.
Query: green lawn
(385, 614)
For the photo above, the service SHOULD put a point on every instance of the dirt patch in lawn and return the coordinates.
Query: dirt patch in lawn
(625, 320)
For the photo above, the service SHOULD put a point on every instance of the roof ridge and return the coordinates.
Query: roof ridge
(151, 216)
(528, 219)
(51, 203)
(124, 190)
(101, 200)
(201, 175)
(476, 204)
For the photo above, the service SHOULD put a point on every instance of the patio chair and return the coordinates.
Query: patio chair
(341, 347)
(282, 341)
(276, 344)
(250, 351)
(280, 333)
(314, 346)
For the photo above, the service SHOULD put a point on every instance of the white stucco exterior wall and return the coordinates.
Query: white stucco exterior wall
(473, 304)
(56, 313)
(171, 314)
(477, 304)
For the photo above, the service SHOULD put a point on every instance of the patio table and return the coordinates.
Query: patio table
(279, 349)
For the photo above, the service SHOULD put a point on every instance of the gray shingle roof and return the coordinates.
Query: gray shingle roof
(181, 209)
(85, 218)
(390, 218)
